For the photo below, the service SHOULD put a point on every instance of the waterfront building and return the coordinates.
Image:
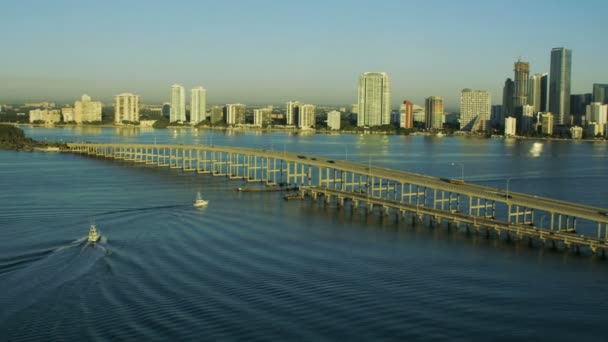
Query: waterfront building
(592, 130)
(406, 115)
(293, 113)
(433, 112)
(166, 111)
(510, 126)
(86, 110)
(546, 122)
(559, 85)
(600, 93)
(597, 113)
(507, 98)
(67, 114)
(217, 114)
(235, 114)
(198, 105)
(333, 120)
(578, 107)
(178, 104)
(419, 114)
(527, 119)
(48, 116)
(126, 108)
(535, 92)
(497, 117)
(576, 132)
(374, 98)
(475, 108)
(307, 117)
(262, 116)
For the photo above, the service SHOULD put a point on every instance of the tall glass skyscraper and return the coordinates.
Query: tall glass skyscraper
(600, 92)
(559, 85)
(178, 104)
(520, 91)
(198, 105)
(374, 99)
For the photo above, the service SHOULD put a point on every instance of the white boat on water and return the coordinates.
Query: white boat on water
(200, 202)
(94, 236)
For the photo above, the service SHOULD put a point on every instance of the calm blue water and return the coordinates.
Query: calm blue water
(254, 267)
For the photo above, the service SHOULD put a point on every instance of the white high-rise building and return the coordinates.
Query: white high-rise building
(126, 108)
(475, 109)
(333, 120)
(374, 99)
(307, 118)
(510, 126)
(198, 105)
(292, 112)
(235, 114)
(86, 110)
(178, 104)
(534, 92)
(262, 116)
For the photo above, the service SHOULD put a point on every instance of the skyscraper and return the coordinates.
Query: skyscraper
(178, 104)
(520, 90)
(374, 99)
(126, 108)
(600, 92)
(262, 116)
(534, 92)
(475, 109)
(198, 105)
(406, 119)
(433, 112)
(86, 110)
(544, 91)
(578, 107)
(559, 85)
(235, 114)
(292, 112)
(507, 98)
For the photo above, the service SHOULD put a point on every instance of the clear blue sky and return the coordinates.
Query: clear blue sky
(268, 51)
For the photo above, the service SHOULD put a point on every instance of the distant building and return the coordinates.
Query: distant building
(67, 114)
(578, 107)
(559, 85)
(497, 116)
(307, 117)
(576, 132)
(178, 104)
(406, 117)
(262, 116)
(354, 108)
(166, 111)
(520, 89)
(48, 116)
(86, 110)
(475, 107)
(433, 112)
(510, 126)
(546, 123)
(198, 105)
(217, 114)
(333, 120)
(544, 93)
(507, 98)
(600, 93)
(374, 99)
(235, 114)
(292, 113)
(535, 92)
(592, 130)
(46, 105)
(126, 108)
(597, 113)
(527, 118)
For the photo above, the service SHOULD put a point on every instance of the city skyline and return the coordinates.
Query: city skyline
(261, 62)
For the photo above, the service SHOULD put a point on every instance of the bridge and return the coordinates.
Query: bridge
(391, 192)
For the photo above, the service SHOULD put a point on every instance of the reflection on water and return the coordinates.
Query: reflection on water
(536, 149)
(79, 130)
(126, 131)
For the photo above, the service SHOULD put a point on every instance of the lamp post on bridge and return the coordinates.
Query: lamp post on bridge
(461, 169)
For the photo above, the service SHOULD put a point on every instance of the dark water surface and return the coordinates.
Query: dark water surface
(251, 266)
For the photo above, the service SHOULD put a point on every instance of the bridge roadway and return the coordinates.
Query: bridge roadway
(569, 210)
(521, 231)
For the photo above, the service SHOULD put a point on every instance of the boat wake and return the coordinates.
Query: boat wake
(40, 279)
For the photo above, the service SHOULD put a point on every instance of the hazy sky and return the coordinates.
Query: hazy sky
(270, 51)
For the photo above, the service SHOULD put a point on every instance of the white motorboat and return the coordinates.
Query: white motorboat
(200, 202)
(94, 236)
